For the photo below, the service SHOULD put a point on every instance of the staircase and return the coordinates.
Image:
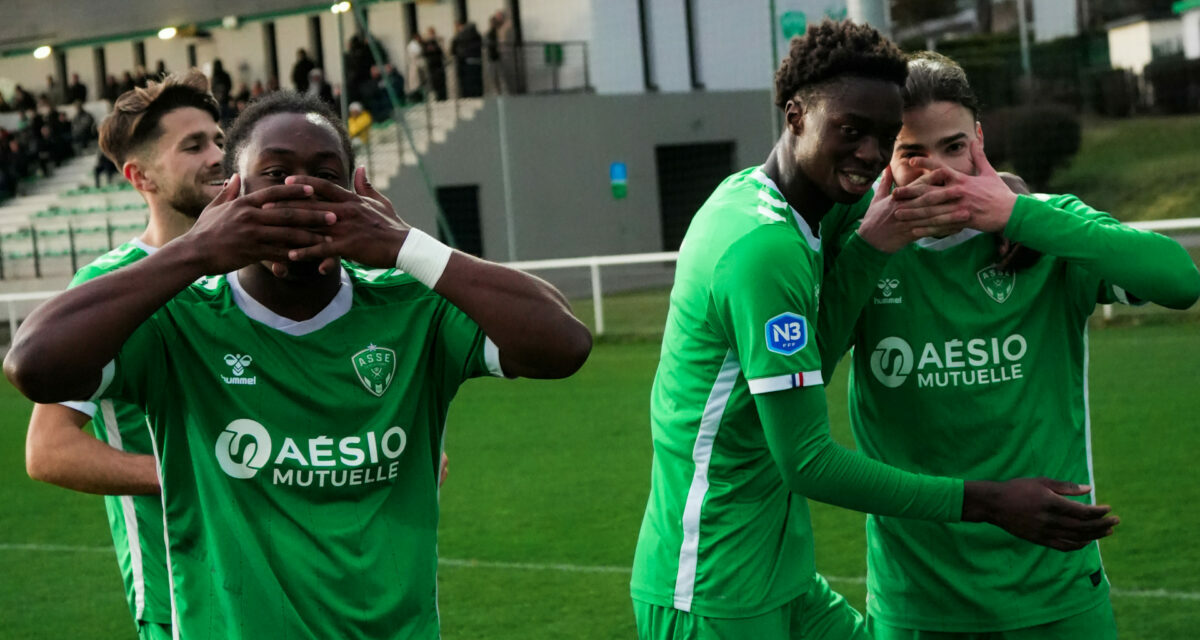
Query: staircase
(388, 150)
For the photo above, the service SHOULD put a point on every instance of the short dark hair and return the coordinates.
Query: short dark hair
(137, 113)
(832, 49)
(932, 77)
(275, 103)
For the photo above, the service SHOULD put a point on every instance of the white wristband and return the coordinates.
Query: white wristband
(423, 257)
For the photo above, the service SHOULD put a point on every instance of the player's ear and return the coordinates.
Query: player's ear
(135, 174)
(793, 116)
(979, 131)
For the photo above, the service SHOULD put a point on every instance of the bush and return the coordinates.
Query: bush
(1035, 139)
(1175, 83)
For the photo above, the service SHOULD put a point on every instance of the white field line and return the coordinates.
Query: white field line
(1166, 594)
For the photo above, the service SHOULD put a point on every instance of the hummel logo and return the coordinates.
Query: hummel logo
(238, 364)
(888, 286)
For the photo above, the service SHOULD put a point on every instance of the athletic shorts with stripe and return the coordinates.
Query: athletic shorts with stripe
(819, 614)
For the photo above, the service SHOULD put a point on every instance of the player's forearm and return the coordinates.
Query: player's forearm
(845, 291)
(83, 463)
(59, 351)
(813, 465)
(528, 319)
(1148, 265)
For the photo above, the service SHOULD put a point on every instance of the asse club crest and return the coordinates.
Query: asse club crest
(375, 366)
(996, 283)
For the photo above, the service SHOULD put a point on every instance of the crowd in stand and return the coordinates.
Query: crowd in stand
(46, 136)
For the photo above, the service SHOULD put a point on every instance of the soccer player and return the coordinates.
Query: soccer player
(166, 140)
(971, 361)
(725, 549)
(297, 413)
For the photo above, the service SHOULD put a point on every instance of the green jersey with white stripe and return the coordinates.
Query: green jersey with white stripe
(299, 459)
(965, 370)
(136, 522)
(722, 536)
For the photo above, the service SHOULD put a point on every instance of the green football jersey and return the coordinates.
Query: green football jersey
(299, 459)
(136, 522)
(964, 370)
(722, 536)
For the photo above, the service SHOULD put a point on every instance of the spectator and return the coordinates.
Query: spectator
(300, 71)
(358, 66)
(52, 94)
(77, 91)
(393, 75)
(318, 87)
(272, 84)
(160, 70)
(83, 127)
(61, 146)
(127, 83)
(220, 81)
(140, 77)
(416, 66)
(242, 94)
(112, 89)
(506, 36)
(23, 100)
(4, 106)
(104, 166)
(359, 123)
(16, 163)
(42, 149)
(435, 63)
(467, 49)
(492, 44)
(257, 91)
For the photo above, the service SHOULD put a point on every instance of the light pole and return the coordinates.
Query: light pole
(338, 9)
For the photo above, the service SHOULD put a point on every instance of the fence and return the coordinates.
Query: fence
(643, 301)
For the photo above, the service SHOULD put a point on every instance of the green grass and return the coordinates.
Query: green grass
(1137, 169)
(556, 473)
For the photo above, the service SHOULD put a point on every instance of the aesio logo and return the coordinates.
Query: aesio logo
(892, 361)
(243, 448)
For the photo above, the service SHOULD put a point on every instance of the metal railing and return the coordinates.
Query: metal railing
(594, 264)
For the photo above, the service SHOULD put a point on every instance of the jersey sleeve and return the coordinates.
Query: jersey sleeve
(765, 299)
(461, 349)
(796, 426)
(135, 375)
(1119, 263)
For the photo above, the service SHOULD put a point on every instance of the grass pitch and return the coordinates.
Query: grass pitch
(548, 481)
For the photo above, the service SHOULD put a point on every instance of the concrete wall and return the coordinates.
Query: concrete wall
(561, 201)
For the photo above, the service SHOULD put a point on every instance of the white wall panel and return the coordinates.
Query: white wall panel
(172, 52)
(615, 50)
(118, 58)
(733, 45)
(669, 48)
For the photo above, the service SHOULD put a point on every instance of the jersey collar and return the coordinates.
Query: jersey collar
(139, 243)
(941, 244)
(813, 239)
(255, 310)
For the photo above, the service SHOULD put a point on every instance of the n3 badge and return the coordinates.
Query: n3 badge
(787, 333)
(375, 366)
